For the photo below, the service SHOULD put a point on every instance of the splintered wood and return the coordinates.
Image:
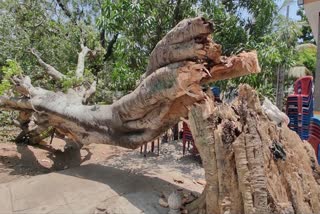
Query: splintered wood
(242, 173)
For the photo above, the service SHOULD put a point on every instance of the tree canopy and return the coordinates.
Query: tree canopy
(122, 35)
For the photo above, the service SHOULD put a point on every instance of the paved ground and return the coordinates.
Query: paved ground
(18, 161)
(126, 183)
(83, 190)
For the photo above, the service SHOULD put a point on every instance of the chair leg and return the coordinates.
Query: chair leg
(145, 150)
(152, 146)
(195, 148)
(141, 149)
(158, 146)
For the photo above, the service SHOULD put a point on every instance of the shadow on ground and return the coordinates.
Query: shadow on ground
(26, 162)
(135, 193)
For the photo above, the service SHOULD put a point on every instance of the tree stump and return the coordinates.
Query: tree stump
(244, 171)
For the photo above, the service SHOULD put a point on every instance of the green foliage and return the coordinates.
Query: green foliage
(140, 26)
(28, 24)
(70, 83)
(122, 79)
(262, 29)
(273, 55)
(43, 25)
(11, 69)
(307, 56)
(6, 117)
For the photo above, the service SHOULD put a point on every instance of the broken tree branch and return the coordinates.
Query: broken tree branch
(88, 93)
(184, 32)
(110, 46)
(66, 11)
(50, 70)
(235, 66)
(81, 60)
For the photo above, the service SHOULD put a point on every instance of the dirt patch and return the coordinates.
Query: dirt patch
(21, 161)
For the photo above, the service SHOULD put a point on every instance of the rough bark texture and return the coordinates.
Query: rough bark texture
(243, 176)
(180, 63)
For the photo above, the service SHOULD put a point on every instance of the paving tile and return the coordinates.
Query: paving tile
(80, 190)
(47, 209)
(5, 200)
(121, 205)
(64, 209)
(38, 201)
(87, 205)
(87, 194)
(146, 202)
(45, 184)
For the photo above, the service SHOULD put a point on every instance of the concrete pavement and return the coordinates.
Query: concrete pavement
(86, 189)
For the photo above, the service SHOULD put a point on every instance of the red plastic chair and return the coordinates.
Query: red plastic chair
(187, 138)
(303, 85)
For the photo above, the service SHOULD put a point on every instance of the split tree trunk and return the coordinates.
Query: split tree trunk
(243, 175)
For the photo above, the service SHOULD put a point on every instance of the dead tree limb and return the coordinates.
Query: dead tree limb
(50, 70)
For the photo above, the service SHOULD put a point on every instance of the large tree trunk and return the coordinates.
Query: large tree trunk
(245, 173)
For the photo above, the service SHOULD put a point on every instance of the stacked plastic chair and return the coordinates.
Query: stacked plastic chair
(300, 107)
(314, 135)
(216, 92)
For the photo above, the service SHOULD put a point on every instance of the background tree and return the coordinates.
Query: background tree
(306, 32)
(125, 32)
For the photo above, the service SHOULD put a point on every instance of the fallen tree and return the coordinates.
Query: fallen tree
(181, 62)
(240, 147)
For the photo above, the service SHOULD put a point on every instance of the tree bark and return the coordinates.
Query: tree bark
(81, 59)
(243, 173)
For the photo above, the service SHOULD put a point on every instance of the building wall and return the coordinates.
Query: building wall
(310, 1)
(312, 9)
